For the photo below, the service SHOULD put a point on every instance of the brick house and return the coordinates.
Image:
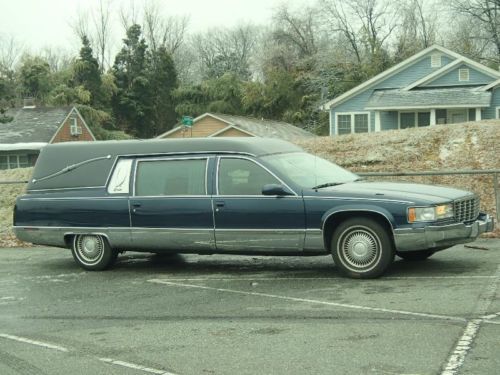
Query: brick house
(24, 132)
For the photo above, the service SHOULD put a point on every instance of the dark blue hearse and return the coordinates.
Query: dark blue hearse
(236, 196)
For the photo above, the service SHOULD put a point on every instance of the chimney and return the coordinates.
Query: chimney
(29, 103)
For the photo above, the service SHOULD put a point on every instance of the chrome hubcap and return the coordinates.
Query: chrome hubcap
(90, 248)
(360, 248)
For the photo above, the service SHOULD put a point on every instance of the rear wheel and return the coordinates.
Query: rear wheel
(415, 256)
(92, 252)
(362, 248)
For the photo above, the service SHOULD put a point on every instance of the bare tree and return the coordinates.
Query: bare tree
(102, 34)
(366, 25)
(418, 27)
(298, 30)
(10, 51)
(226, 50)
(164, 31)
(56, 58)
(486, 16)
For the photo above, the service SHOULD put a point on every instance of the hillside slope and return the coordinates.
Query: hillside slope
(474, 145)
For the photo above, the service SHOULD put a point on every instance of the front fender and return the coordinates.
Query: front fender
(361, 208)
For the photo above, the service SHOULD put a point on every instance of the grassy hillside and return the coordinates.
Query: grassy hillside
(8, 194)
(451, 147)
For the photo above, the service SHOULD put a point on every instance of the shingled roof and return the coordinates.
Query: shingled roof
(265, 128)
(427, 98)
(32, 125)
(253, 126)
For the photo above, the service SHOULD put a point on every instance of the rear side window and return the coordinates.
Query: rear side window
(120, 180)
(171, 177)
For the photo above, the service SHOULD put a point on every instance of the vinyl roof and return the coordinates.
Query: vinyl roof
(56, 157)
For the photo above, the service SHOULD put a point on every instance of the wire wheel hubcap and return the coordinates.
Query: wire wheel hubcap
(90, 248)
(360, 248)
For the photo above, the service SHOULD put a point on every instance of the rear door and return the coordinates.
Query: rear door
(246, 220)
(171, 208)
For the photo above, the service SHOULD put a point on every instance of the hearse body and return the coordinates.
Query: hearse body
(236, 196)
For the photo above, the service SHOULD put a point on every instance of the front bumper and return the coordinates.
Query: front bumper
(434, 237)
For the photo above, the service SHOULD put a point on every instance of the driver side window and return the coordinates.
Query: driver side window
(242, 177)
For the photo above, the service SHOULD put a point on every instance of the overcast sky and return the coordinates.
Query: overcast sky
(40, 23)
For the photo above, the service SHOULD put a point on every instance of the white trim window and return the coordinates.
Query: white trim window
(413, 119)
(12, 161)
(352, 122)
(436, 60)
(74, 128)
(463, 75)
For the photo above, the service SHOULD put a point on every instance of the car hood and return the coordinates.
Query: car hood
(408, 192)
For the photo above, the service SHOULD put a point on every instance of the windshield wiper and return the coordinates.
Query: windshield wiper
(327, 184)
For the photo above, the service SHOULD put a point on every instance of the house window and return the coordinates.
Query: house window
(11, 161)
(414, 119)
(407, 120)
(463, 75)
(344, 124)
(361, 123)
(75, 130)
(423, 119)
(357, 122)
(436, 60)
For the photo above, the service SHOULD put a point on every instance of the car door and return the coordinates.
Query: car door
(246, 220)
(171, 208)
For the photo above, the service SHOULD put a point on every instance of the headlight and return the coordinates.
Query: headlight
(432, 213)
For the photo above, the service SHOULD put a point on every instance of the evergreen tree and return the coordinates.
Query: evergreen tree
(132, 103)
(87, 73)
(163, 78)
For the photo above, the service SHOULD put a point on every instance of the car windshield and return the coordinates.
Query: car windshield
(309, 171)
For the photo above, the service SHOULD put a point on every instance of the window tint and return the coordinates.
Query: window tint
(171, 177)
(242, 177)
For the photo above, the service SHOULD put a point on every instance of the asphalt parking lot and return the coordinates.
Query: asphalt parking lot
(248, 315)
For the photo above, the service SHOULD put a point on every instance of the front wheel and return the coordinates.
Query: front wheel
(92, 252)
(362, 248)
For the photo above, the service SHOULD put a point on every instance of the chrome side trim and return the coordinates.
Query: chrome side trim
(73, 198)
(54, 236)
(314, 241)
(235, 240)
(358, 199)
(254, 161)
(71, 188)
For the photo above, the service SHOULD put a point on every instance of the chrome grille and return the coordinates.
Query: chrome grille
(466, 209)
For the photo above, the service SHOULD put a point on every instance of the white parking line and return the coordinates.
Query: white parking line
(457, 357)
(135, 366)
(336, 304)
(236, 278)
(33, 342)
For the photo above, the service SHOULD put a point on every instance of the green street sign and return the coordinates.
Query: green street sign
(187, 121)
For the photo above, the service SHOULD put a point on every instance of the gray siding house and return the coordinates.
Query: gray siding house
(436, 86)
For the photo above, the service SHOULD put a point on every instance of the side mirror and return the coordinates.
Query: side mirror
(275, 189)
